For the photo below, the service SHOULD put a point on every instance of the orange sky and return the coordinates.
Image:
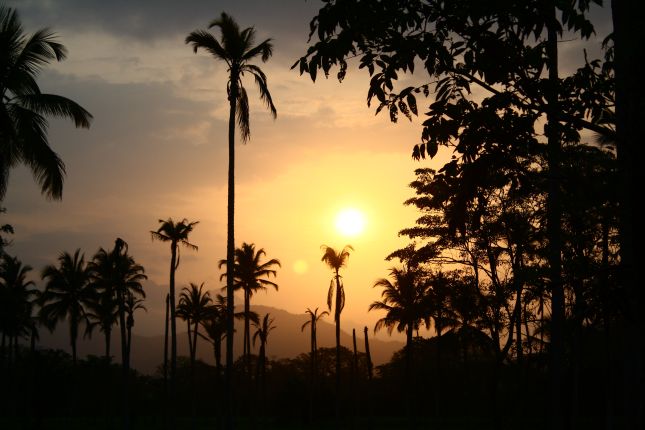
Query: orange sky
(157, 149)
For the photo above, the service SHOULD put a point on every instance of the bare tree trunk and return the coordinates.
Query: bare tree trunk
(230, 248)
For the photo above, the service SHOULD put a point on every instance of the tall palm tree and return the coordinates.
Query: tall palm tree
(335, 261)
(236, 49)
(250, 276)
(403, 300)
(17, 300)
(67, 294)
(177, 234)
(23, 108)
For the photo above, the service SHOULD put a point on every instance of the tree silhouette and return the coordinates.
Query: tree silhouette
(312, 323)
(403, 302)
(18, 298)
(237, 51)
(510, 53)
(24, 109)
(335, 261)
(215, 328)
(103, 313)
(250, 276)
(195, 307)
(67, 294)
(117, 271)
(177, 234)
(262, 333)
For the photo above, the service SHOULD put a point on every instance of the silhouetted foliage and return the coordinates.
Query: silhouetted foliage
(24, 108)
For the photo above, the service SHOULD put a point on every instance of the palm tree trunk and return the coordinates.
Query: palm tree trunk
(190, 339)
(553, 224)
(173, 325)
(73, 334)
(125, 365)
(368, 355)
(108, 335)
(165, 363)
(247, 331)
(230, 248)
(337, 318)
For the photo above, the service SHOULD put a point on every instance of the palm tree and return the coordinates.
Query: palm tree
(249, 276)
(312, 323)
(132, 303)
(236, 50)
(177, 234)
(336, 260)
(117, 271)
(17, 299)
(67, 294)
(103, 313)
(215, 328)
(195, 307)
(404, 304)
(23, 108)
(262, 332)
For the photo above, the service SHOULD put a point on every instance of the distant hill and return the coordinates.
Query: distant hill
(286, 341)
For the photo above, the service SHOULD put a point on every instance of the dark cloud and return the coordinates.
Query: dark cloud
(148, 20)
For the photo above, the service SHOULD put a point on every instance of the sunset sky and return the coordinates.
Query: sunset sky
(157, 148)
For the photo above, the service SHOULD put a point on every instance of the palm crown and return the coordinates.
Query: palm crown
(236, 50)
(23, 126)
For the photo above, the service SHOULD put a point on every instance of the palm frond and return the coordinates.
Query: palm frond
(205, 40)
(242, 114)
(265, 95)
(58, 106)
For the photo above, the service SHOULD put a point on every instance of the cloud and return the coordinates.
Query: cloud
(148, 20)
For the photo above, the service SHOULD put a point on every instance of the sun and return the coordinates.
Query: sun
(350, 222)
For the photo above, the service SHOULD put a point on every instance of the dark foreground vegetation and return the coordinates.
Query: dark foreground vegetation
(465, 389)
(522, 264)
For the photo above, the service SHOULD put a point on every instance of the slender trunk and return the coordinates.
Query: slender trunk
(628, 55)
(195, 341)
(368, 356)
(408, 371)
(354, 371)
(312, 378)
(218, 356)
(108, 335)
(230, 247)
(165, 353)
(190, 340)
(247, 331)
(553, 224)
(173, 332)
(165, 364)
(125, 364)
(337, 318)
(73, 336)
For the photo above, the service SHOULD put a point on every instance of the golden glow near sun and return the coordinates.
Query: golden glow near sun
(350, 222)
(300, 267)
